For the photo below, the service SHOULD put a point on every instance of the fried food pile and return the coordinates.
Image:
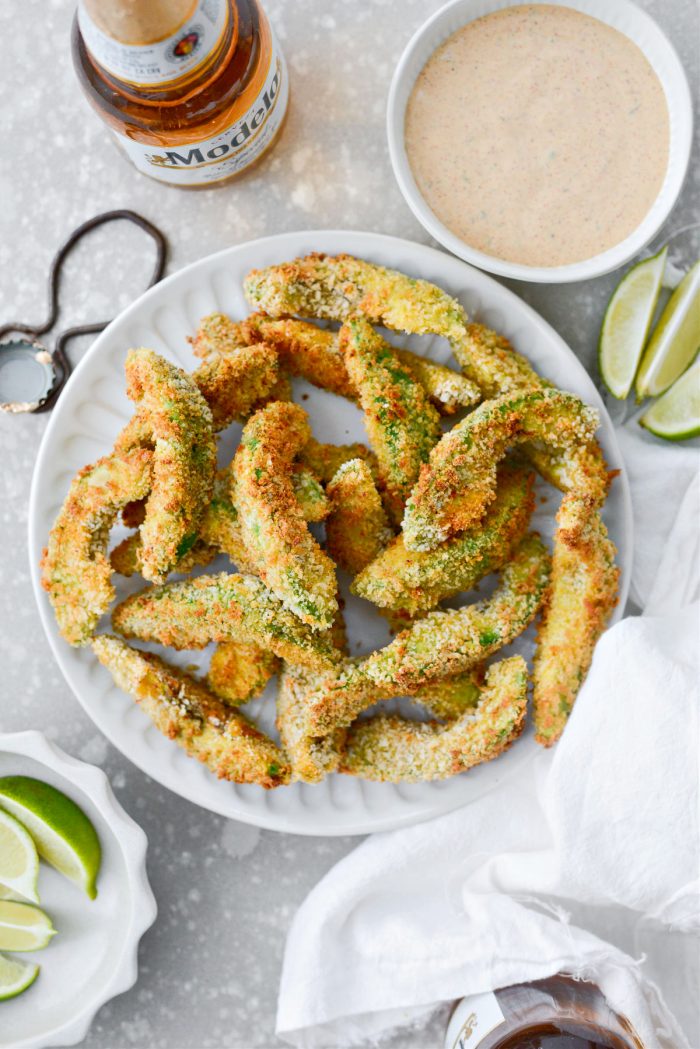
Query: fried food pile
(423, 514)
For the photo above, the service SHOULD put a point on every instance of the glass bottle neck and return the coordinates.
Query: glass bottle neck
(152, 48)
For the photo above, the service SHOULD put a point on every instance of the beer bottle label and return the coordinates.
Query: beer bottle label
(227, 153)
(165, 60)
(472, 1020)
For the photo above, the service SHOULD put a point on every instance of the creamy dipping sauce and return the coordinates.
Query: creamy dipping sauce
(538, 135)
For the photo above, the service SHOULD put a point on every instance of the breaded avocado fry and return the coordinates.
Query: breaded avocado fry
(125, 559)
(582, 594)
(311, 757)
(414, 581)
(338, 287)
(236, 384)
(310, 495)
(287, 556)
(459, 482)
(185, 711)
(75, 570)
(357, 527)
(175, 415)
(221, 607)
(442, 644)
(314, 354)
(490, 361)
(448, 698)
(324, 460)
(392, 749)
(239, 672)
(401, 423)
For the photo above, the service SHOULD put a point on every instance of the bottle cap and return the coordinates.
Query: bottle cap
(27, 375)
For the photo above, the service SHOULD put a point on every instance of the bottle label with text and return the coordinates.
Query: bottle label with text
(232, 150)
(165, 60)
(472, 1020)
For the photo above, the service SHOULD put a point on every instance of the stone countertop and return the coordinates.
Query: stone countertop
(226, 892)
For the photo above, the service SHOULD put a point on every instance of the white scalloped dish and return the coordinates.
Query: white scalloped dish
(93, 957)
(93, 408)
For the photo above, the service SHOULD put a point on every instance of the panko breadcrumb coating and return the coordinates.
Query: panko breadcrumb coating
(75, 570)
(324, 460)
(239, 672)
(357, 527)
(125, 559)
(314, 354)
(311, 757)
(221, 607)
(448, 698)
(287, 556)
(217, 334)
(236, 384)
(413, 581)
(185, 711)
(441, 645)
(582, 594)
(490, 361)
(178, 421)
(401, 424)
(392, 749)
(460, 481)
(310, 495)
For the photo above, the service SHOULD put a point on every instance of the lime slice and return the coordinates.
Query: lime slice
(676, 415)
(676, 338)
(626, 323)
(23, 927)
(19, 863)
(63, 834)
(15, 977)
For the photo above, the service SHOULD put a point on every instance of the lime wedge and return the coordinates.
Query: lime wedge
(675, 340)
(63, 834)
(676, 415)
(19, 862)
(626, 323)
(15, 977)
(23, 927)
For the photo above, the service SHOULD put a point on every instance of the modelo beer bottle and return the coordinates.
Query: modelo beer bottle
(555, 1013)
(195, 91)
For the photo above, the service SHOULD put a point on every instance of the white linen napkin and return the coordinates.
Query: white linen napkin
(473, 901)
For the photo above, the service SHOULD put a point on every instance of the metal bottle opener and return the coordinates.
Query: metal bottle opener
(31, 375)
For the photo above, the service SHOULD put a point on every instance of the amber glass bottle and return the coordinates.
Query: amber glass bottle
(195, 91)
(556, 1013)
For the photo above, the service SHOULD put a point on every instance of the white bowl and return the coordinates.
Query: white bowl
(94, 407)
(94, 955)
(621, 15)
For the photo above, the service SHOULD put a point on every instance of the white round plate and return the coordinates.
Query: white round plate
(94, 407)
(622, 15)
(93, 957)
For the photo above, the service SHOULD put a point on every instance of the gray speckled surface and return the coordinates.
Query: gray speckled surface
(226, 892)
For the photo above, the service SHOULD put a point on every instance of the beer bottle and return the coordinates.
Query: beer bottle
(195, 91)
(555, 1013)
